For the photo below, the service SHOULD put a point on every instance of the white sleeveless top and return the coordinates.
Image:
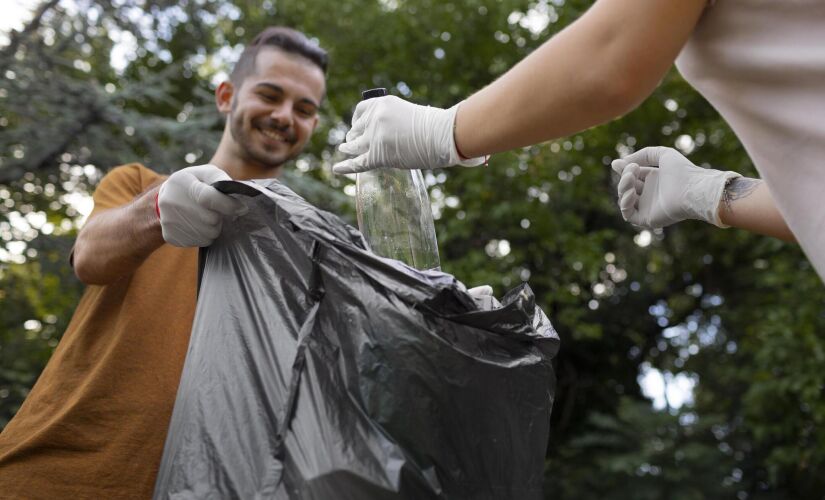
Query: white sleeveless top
(761, 64)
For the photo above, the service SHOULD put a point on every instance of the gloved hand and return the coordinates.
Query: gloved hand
(388, 132)
(660, 187)
(483, 297)
(191, 211)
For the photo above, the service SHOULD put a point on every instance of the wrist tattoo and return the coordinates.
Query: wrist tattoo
(738, 188)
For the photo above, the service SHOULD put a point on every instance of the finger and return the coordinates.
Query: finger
(364, 108)
(647, 157)
(645, 214)
(207, 218)
(360, 118)
(618, 165)
(628, 180)
(627, 203)
(638, 220)
(211, 232)
(638, 173)
(211, 198)
(352, 166)
(356, 147)
(644, 172)
(353, 135)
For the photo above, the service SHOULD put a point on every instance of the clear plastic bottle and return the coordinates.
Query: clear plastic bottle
(394, 213)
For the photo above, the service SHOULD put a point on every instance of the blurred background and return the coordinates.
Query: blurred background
(692, 358)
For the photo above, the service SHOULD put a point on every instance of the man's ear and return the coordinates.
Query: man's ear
(223, 97)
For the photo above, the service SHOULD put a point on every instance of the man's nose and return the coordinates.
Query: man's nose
(282, 114)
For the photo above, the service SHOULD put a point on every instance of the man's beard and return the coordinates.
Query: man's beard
(259, 155)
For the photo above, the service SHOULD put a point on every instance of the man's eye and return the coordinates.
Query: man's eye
(306, 112)
(269, 97)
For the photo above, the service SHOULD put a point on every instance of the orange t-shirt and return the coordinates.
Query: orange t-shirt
(94, 425)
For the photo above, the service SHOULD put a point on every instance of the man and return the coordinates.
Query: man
(95, 423)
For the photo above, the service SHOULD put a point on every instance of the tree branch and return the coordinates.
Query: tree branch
(18, 36)
(15, 172)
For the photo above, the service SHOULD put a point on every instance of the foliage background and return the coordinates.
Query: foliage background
(87, 85)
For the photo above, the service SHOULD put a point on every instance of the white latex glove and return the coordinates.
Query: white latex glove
(480, 291)
(389, 132)
(660, 187)
(191, 210)
(483, 297)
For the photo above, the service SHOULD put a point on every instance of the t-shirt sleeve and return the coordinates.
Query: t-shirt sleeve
(121, 185)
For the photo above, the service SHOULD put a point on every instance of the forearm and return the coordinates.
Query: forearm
(747, 204)
(598, 68)
(115, 242)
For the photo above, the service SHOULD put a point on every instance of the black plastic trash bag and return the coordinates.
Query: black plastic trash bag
(317, 370)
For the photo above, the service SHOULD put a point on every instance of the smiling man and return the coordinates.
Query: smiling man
(272, 105)
(95, 422)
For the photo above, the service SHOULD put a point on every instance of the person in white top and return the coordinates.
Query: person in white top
(760, 63)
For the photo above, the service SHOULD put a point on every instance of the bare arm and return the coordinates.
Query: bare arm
(600, 67)
(113, 243)
(747, 204)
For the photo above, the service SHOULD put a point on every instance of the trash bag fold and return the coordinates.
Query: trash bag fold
(318, 370)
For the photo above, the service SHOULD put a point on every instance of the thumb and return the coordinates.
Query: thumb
(357, 146)
(352, 166)
(208, 173)
(212, 199)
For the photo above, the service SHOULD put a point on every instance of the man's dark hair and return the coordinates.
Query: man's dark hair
(281, 37)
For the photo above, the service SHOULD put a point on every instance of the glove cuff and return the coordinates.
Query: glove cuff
(724, 179)
(455, 157)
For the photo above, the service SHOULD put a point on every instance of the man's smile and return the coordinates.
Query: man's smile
(277, 136)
